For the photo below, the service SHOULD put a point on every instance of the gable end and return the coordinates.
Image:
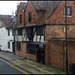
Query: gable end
(54, 10)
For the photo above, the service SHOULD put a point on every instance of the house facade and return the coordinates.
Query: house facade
(55, 36)
(40, 32)
(6, 33)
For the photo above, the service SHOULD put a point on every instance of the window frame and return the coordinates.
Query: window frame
(30, 17)
(20, 19)
(18, 46)
(29, 32)
(9, 45)
(40, 32)
(31, 49)
(20, 31)
(69, 11)
(13, 32)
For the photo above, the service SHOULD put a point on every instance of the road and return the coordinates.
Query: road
(6, 68)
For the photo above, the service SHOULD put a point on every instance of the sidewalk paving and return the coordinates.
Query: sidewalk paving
(28, 65)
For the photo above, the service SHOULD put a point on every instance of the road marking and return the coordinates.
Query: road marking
(18, 69)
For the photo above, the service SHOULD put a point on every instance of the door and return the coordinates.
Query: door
(41, 55)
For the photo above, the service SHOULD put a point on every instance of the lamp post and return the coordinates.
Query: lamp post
(66, 37)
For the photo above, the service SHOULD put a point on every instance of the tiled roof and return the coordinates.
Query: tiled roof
(23, 4)
(48, 6)
(6, 20)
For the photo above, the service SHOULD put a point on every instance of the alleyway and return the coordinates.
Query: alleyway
(27, 66)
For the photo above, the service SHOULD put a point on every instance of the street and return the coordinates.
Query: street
(13, 64)
(8, 69)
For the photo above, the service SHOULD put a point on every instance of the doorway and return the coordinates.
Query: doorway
(41, 55)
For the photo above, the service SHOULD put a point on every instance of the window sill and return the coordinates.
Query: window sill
(68, 16)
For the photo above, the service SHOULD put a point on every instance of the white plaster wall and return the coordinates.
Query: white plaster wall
(4, 39)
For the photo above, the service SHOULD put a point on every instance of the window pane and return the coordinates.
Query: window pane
(20, 31)
(9, 45)
(31, 49)
(29, 17)
(69, 11)
(40, 31)
(18, 46)
(20, 19)
(29, 32)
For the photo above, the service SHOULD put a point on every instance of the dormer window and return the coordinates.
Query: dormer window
(20, 19)
(30, 17)
(69, 13)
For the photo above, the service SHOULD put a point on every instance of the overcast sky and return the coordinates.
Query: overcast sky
(6, 7)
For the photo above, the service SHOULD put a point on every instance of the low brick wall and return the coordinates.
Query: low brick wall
(57, 53)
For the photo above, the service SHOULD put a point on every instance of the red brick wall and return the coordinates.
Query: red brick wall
(18, 17)
(57, 53)
(58, 31)
(58, 15)
(18, 52)
(35, 16)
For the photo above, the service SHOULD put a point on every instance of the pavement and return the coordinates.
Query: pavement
(27, 66)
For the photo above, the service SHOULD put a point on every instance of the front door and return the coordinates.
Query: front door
(41, 55)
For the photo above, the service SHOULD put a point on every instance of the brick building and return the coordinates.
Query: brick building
(40, 32)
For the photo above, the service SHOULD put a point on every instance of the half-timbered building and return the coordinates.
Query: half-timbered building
(40, 31)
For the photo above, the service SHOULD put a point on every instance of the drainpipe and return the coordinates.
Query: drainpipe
(66, 37)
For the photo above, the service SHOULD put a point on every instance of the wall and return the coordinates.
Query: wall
(36, 37)
(58, 16)
(56, 29)
(18, 17)
(57, 53)
(35, 16)
(23, 52)
(4, 39)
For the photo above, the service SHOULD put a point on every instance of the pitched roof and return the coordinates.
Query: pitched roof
(23, 4)
(48, 6)
(6, 19)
